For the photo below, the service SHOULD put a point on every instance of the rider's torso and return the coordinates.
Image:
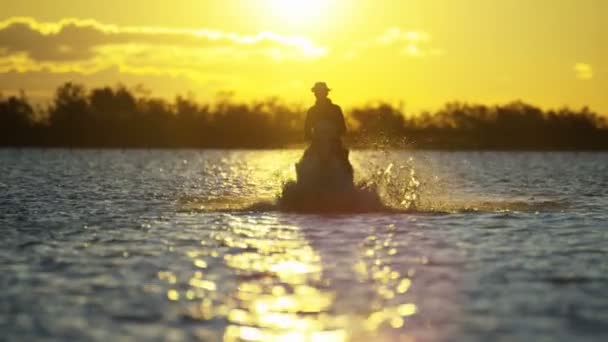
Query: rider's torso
(325, 120)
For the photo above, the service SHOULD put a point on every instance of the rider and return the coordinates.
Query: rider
(325, 121)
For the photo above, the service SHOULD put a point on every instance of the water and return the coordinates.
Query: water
(163, 245)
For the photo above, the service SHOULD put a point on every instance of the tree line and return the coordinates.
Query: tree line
(118, 117)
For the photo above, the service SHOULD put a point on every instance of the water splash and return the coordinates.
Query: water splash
(398, 186)
(386, 182)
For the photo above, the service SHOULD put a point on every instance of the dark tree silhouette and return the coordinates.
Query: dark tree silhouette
(121, 117)
(70, 117)
(16, 120)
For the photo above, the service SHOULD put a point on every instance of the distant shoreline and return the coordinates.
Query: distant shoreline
(118, 118)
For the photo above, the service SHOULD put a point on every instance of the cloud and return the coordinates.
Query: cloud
(40, 85)
(583, 71)
(396, 35)
(87, 46)
(409, 43)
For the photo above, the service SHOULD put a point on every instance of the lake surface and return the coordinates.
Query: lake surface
(163, 246)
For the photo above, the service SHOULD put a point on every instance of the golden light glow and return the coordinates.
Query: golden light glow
(299, 12)
(279, 299)
(275, 297)
(422, 52)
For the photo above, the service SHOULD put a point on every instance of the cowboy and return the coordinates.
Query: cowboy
(325, 125)
(324, 118)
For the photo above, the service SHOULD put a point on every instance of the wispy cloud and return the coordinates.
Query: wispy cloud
(396, 35)
(87, 46)
(583, 71)
(410, 43)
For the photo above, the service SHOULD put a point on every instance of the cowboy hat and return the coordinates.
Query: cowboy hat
(320, 86)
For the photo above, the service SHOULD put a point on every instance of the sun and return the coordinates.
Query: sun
(298, 12)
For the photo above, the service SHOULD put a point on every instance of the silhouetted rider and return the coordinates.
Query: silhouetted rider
(325, 124)
(324, 120)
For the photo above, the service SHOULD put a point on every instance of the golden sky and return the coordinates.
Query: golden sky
(422, 52)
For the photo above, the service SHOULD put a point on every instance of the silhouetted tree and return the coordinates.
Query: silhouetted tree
(122, 117)
(16, 119)
(69, 116)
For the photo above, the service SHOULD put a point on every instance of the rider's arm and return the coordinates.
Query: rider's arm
(341, 125)
(308, 126)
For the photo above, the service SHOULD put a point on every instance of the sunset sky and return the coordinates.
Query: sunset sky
(422, 52)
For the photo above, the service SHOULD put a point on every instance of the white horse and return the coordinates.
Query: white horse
(325, 165)
(325, 180)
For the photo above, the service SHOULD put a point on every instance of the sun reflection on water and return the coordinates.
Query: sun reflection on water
(277, 290)
(256, 278)
(389, 305)
(278, 294)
